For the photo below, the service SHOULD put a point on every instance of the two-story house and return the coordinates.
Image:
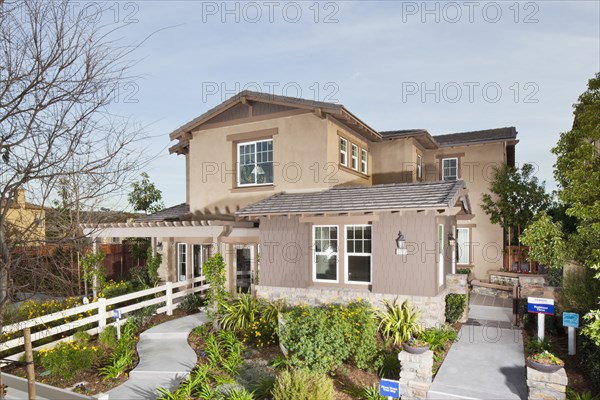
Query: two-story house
(308, 202)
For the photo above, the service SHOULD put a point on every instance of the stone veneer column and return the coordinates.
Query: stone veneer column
(546, 386)
(457, 283)
(416, 374)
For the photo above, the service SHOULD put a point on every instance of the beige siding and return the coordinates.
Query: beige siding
(415, 273)
(285, 252)
(286, 258)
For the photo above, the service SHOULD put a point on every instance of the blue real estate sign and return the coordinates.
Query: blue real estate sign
(389, 388)
(571, 320)
(538, 305)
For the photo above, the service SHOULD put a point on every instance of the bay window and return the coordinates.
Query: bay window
(343, 152)
(363, 161)
(355, 157)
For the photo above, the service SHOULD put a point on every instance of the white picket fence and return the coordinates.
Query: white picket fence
(171, 292)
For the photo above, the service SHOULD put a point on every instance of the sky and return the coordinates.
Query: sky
(439, 65)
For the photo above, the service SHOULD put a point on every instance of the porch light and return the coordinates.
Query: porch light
(400, 244)
(451, 240)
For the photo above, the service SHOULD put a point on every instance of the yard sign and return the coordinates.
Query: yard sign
(538, 305)
(389, 388)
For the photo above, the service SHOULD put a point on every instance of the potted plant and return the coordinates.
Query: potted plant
(415, 346)
(545, 362)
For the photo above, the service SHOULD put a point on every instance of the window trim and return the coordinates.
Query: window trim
(181, 245)
(314, 255)
(344, 152)
(448, 159)
(250, 142)
(419, 167)
(354, 157)
(364, 160)
(347, 253)
(468, 246)
(441, 254)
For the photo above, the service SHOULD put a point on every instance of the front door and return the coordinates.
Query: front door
(244, 262)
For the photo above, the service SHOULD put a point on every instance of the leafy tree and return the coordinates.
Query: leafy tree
(215, 271)
(59, 72)
(515, 197)
(545, 240)
(145, 196)
(577, 171)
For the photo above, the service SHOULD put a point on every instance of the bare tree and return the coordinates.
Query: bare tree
(59, 71)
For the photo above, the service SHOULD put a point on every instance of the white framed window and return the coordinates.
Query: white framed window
(450, 169)
(325, 255)
(358, 254)
(355, 157)
(462, 246)
(419, 167)
(182, 261)
(343, 152)
(255, 163)
(363, 161)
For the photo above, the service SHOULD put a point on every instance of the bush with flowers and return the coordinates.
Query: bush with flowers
(66, 359)
(322, 338)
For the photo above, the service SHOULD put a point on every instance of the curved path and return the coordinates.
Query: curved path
(165, 360)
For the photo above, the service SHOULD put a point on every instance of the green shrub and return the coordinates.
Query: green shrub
(590, 359)
(438, 338)
(239, 313)
(465, 271)
(539, 346)
(370, 393)
(115, 289)
(123, 356)
(322, 338)
(191, 303)
(81, 337)
(573, 395)
(108, 337)
(387, 364)
(67, 359)
(302, 385)
(455, 307)
(399, 322)
(224, 350)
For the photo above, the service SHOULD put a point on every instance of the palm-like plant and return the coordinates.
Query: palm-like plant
(399, 322)
(240, 313)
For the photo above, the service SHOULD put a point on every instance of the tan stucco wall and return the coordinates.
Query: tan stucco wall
(31, 221)
(305, 154)
(394, 161)
(477, 172)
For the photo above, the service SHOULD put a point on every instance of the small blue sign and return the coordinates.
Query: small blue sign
(571, 320)
(117, 314)
(390, 388)
(538, 305)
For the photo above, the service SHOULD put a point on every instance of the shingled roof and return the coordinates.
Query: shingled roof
(175, 213)
(360, 198)
(488, 135)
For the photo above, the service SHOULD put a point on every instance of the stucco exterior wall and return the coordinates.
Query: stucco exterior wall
(477, 170)
(394, 161)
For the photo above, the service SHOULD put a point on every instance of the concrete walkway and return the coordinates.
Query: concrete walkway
(165, 359)
(487, 362)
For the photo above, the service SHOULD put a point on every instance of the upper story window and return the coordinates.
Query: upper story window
(343, 152)
(325, 261)
(355, 157)
(363, 161)
(255, 163)
(449, 169)
(419, 167)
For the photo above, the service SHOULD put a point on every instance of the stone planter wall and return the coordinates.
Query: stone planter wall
(546, 386)
(457, 283)
(433, 308)
(415, 374)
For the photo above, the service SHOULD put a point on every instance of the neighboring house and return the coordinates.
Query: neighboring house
(323, 196)
(26, 220)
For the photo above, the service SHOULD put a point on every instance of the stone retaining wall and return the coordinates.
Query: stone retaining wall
(546, 386)
(504, 280)
(433, 308)
(416, 374)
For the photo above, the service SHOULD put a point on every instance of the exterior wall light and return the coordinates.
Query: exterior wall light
(451, 240)
(400, 245)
